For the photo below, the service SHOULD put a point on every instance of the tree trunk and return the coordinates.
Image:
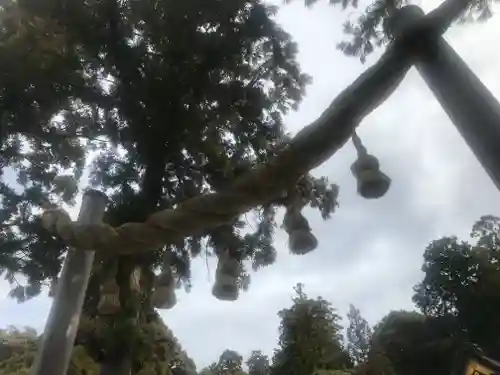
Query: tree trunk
(145, 345)
(119, 360)
(118, 367)
(124, 344)
(108, 340)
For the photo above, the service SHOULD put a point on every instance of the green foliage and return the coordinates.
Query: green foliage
(310, 338)
(159, 349)
(377, 364)
(258, 363)
(14, 342)
(414, 344)
(403, 342)
(219, 113)
(463, 280)
(229, 363)
(459, 299)
(35, 146)
(358, 336)
(310, 342)
(82, 363)
(17, 350)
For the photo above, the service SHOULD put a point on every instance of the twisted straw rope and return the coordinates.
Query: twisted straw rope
(311, 146)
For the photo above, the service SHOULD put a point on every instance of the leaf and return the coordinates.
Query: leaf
(18, 293)
(33, 290)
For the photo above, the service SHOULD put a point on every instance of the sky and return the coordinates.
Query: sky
(370, 252)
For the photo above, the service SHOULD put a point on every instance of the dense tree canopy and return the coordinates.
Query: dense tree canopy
(258, 363)
(458, 298)
(18, 347)
(310, 338)
(222, 107)
(359, 335)
(310, 342)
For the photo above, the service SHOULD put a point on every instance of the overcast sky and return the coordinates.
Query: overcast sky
(370, 252)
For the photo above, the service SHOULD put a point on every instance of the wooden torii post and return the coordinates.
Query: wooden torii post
(58, 338)
(467, 101)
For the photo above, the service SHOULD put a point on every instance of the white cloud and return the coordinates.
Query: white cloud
(370, 252)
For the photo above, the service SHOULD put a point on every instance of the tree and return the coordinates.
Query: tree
(258, 363)
(462, 280)
(36, 147)
(358, 336)
(229, 363)
(310, 338)
(377, 364)
(18, 349)
(218, 114)
(409, 343)
(458, 297)
(310, 342)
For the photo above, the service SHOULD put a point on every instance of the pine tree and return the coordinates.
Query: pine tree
(258, 363)
(35, 146)
(358, 336)
(310, 338)
(229, 363)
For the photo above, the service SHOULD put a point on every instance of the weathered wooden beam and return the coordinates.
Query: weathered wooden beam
(54, 353)
(467, 101)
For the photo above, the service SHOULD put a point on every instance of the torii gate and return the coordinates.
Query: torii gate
(418, 40)
(469, 104)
